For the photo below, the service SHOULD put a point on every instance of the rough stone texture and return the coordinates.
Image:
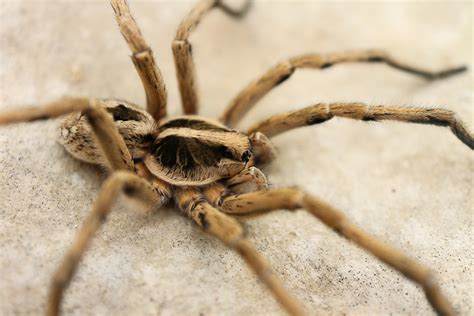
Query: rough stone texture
(409, 185)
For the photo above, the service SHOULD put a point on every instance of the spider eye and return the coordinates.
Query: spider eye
(246, 156)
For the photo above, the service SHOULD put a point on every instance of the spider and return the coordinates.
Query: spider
(213, 172)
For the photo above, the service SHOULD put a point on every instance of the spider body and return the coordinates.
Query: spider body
(185, 150)
(208, 169)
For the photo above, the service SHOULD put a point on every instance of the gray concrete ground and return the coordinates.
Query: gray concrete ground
(409, 185)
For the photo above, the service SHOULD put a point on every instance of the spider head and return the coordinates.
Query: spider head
(192, 150)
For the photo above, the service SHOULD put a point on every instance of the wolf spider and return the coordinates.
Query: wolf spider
(208, 169)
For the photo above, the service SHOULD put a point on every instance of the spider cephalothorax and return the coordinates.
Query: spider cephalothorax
(196, 151)
(204, 166)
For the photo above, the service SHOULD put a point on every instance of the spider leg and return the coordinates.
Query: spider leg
(231, 232)
(111, 142)
(248, 180)
(257, 89)
(121, 181)
(262, 149)
(322, 112)
(182, 50)
(142, 57)
(291, 199)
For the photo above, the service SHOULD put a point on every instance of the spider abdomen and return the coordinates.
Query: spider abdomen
(133, 123)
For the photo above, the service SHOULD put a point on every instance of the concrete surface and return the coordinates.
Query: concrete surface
(411, 186)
